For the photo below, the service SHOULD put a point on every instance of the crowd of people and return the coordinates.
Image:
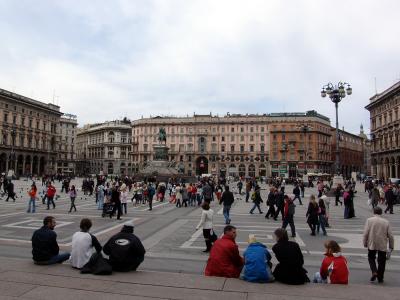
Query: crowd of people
(125, 252)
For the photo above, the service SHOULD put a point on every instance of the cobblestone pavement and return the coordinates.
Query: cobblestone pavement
(171, 240)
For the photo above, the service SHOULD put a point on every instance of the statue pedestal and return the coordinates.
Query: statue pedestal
(160, 152)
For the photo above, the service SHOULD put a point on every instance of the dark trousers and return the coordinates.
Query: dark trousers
(50, 200)
(247, 196)
(298, 197)
(389, 208)
(289, 220)
(207, 238)
(381, 262)
(271, 211)
(72, 204)
(117, 206)
(279, 209)
(11, 195)
(150, 203)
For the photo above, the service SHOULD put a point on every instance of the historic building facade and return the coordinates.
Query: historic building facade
(28, 138)
(351, 152)
(237, 145)
(384, 111)
(299, 144)
(66, 146)
(104, 148)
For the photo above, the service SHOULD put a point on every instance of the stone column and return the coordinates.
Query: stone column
(38, 167)
(31, 170)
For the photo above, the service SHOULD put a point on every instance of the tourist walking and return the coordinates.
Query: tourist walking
(206, 222)
(296, 192)
(151, 192)
(227, 200)
(50, 194)
(72, 196)
(124, 198)
(115, 200)
(280, 202)
(100, 196)
(178, 191)
(288, 215)
(257, 200)
(312, 214)
(377, 235)
(271, 201)
(321, 216)
(32, 199)
(10, 191)
(338, 192)
(390, 199)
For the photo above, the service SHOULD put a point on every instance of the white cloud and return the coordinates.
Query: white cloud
(108, 59)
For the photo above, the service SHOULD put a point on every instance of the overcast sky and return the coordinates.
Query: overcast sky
(110, 59)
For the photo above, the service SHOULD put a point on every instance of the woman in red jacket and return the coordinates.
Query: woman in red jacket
(334, 266)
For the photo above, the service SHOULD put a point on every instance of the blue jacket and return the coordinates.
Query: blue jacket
(256, 268)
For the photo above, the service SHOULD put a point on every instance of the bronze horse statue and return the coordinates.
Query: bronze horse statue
(162, 136)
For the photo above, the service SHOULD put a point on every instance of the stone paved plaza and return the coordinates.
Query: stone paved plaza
(172, 243)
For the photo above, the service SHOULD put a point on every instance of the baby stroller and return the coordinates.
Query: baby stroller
(107, 209)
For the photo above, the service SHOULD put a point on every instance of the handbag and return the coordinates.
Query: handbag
(213, 236)
(97, 265)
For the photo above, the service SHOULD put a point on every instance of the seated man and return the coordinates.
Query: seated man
(125, 250)
(45, 249)
(225, 260)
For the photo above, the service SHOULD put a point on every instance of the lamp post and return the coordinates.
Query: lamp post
(336, 93)
(305, 128)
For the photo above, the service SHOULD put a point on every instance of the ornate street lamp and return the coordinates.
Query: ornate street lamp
(336, 93)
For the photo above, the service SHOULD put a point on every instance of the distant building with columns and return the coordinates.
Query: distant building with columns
(238, 144)
(28, 135)
(384, 111)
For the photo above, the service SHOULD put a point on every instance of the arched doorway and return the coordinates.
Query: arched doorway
(3, 163)
(252, 170)
(242, 170)
(201, 165)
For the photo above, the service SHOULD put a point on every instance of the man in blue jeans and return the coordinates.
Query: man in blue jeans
(45, 248)
(227, 200)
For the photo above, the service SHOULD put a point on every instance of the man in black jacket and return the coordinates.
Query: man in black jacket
(227, 200)
(45, 248)
(117, 202)
(125, 250)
